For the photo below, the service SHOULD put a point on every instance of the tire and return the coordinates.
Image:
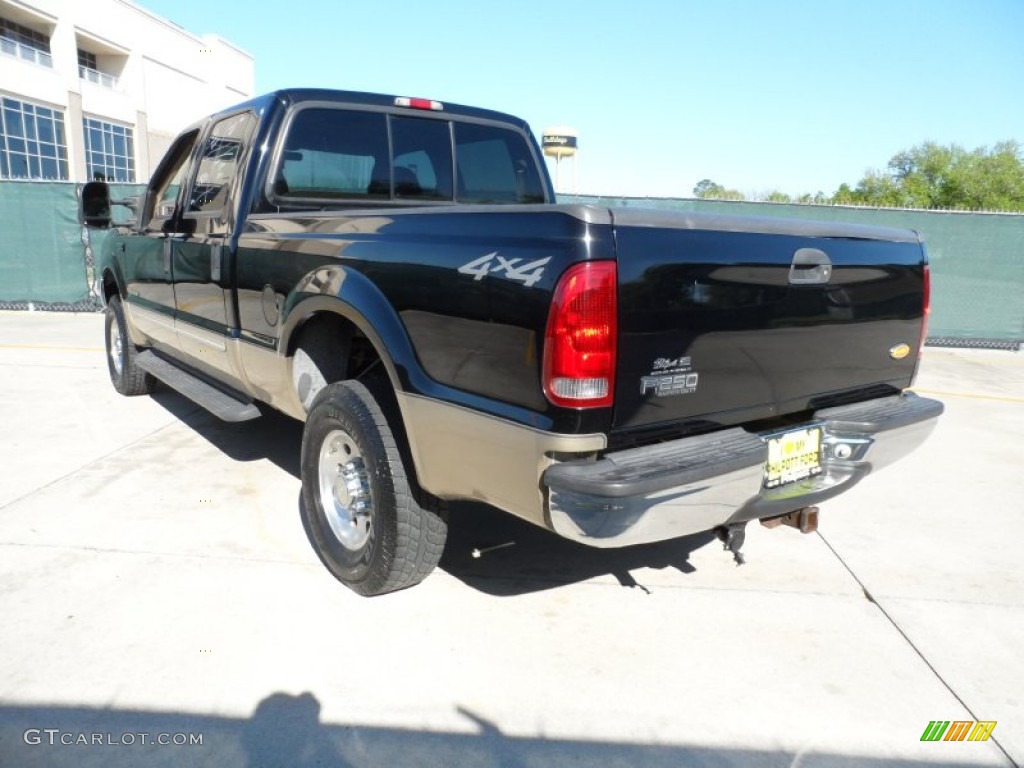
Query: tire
(361, 513)
(125, 374)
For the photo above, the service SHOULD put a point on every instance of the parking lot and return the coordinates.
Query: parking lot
(155, 579)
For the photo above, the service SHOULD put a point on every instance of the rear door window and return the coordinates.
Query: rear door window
(218, 164)
(336, 154)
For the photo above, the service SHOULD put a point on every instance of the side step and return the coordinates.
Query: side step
(216, 401)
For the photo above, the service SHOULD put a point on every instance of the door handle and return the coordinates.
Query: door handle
(810, 267)
(215, 253)
(167, 254)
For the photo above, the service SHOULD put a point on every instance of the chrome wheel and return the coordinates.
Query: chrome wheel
(358, 507)
(114, 346)
(344, 489)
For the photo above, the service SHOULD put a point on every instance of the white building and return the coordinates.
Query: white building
(100, 88)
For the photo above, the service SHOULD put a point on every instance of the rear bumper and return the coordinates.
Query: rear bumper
(695, 484)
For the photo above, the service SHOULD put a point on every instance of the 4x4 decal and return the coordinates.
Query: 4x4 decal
(493, 264)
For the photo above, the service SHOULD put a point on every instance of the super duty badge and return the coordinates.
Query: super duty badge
(670, 376)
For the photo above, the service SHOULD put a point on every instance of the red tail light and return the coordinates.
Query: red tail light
(927, 306)
(579, 345)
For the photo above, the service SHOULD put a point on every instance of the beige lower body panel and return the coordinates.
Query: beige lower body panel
(146, 327)
(267, 376)
(259, 372)
(208, 349)
(465, 454)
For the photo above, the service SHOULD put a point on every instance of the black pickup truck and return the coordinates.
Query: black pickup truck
(396, 273)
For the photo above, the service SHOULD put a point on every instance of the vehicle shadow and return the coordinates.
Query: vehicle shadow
(539, 560)
(274, 436)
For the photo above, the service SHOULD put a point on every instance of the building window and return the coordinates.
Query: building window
(89, 70)
(25, 43)
(32, 143)
(86, 59)
(109, 151)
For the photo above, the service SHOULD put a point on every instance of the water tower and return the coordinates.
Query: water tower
(559, 142)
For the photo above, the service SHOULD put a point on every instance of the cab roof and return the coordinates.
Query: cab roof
(290, 96)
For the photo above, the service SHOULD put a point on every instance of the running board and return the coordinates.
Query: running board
(216, 401)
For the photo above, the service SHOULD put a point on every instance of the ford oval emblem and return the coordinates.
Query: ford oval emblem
(899, 351)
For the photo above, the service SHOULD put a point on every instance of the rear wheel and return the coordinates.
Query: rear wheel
(358, 506)
(125, 374)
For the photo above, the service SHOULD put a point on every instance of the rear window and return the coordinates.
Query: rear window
(344, 154)
(423, 158)
(495, 166)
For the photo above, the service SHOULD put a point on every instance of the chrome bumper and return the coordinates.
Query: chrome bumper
(695, 484)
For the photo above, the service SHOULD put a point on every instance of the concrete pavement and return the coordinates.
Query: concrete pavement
(155, 579)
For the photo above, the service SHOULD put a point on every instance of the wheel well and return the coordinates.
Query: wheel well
(335, 349)
(337, 346)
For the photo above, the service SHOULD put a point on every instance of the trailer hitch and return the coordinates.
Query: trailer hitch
(804, 520)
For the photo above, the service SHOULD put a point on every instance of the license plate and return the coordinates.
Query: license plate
(793, 456)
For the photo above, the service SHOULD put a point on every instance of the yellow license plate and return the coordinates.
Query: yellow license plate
(793, 456)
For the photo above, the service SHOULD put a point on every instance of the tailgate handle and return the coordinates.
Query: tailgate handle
(810, 267)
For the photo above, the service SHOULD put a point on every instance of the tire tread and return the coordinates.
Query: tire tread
(414, 551)
(132, 381)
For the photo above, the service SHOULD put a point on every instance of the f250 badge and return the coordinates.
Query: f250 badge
(670, 376)
(493, 264)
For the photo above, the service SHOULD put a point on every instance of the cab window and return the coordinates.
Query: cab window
(219, 163)
(168, 179)
(334, 154)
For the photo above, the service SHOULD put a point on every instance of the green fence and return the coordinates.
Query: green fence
(42, 256)
(46, 258)
(977, 258)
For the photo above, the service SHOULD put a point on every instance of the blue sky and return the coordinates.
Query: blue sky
(781, 94)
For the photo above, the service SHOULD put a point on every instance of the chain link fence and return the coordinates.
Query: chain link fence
(47, 261)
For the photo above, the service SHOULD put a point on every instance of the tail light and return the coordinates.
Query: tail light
(927, 306)
(579, 344)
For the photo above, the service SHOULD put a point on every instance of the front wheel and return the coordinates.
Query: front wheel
(358, 505)
(125, 374)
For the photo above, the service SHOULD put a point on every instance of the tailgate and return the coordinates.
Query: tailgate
(728, 319)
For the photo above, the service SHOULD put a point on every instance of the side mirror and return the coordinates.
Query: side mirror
(94, 205)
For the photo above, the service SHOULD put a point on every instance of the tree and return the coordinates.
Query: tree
(818, 198)
(934, 176)
(706, 189)
(844, 195)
